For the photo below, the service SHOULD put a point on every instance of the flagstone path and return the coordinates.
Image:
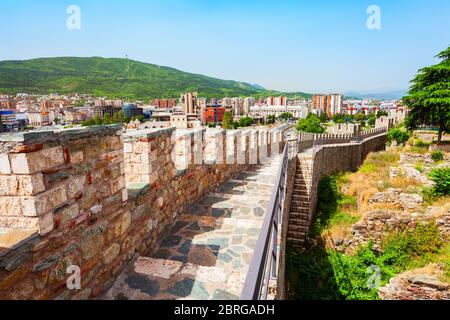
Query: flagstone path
(209, 249)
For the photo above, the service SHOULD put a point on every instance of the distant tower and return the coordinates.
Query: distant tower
(127, 70)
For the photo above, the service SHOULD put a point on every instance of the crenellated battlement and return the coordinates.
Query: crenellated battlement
(48, 175)
(97, 197)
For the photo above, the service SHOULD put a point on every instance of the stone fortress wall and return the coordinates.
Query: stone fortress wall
(333, 158)
(96, 198)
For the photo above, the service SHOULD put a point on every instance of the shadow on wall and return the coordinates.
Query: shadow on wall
(309, 273)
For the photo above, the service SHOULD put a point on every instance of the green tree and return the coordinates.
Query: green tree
(310, 124)
(372, 120)
(227, 122)
(338, 118)
(323, 117)
(97, 121)
(107, 119)
(382, 114)
(246, 121)
(348, 118)
(270, 119)
(285, 116)
(429, 97)
(398, 134)
(361, 118)
(141, 118)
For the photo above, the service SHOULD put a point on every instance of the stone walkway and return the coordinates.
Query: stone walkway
(210, 247)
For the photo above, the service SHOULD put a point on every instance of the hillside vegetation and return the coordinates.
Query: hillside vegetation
(379, 229)
(114, 77)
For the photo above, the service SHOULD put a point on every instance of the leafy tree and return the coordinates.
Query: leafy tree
(246, 121)
(57, 121)
(141, 118)
(429, 97)
(97, 121)
(270, 119)
(285, 116)
(441, 178)
(107, 119)
(338, 118)
(323, 117)
(347, 119)
(382, 114)
(310, 124)
(227, 122)
(398, 134)
(361, 118)
(372, 120)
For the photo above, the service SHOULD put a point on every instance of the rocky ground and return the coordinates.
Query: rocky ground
(402, 208)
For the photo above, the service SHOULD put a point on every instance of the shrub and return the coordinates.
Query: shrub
(327, 274)
(421, 144)
(441, 178)
(437, 156)
(311, 124)
(399, 135)
(227, 122)
(246, 121)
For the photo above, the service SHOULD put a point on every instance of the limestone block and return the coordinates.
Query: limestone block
(5, 166)
(21, 185)
(117, 184)
(243, 147)
(26, 163)
(214, 149)
(15, 206)
(183, 149)
(69, 213)
(116, 143)
(19, 223)
(128, 147)
(262, 146)
(48, 200)
(113, 157)
(253, 150)
(76, 185)
(231, 147)
(77, 157)
(111, 253)
(46, 223)
(124, 195)
(198, 147)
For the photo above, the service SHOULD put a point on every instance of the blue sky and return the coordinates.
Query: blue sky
(312, 46)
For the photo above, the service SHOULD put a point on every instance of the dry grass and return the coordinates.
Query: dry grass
(372, 177)
(402, 183)
(444, 205)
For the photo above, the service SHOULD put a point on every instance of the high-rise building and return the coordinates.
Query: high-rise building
(164, 103)
(189, 102)
(276, 101)
(331, 104)
(100, 111)
(319, 102)
(248, 102)
(335, 103)
(213, 114)
(131, 110)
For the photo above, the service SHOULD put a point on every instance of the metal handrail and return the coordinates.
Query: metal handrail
(263, 266)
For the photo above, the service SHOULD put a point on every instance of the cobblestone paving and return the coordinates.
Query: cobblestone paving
(210, 247)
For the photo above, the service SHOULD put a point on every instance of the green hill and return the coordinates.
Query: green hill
(114, 77)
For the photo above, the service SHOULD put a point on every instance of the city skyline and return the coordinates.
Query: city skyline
(284, 46)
